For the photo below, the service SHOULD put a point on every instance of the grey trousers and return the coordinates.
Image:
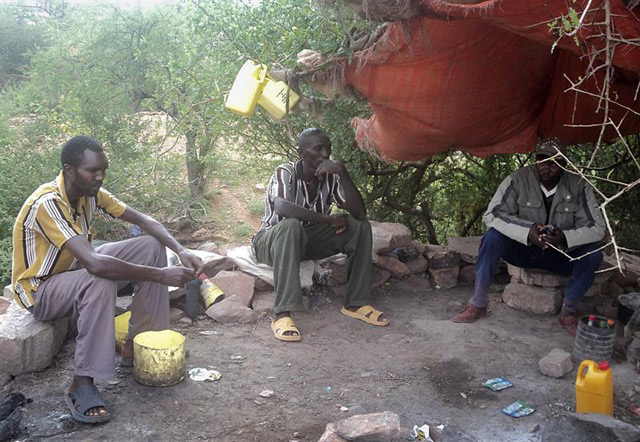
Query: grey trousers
(90, 301)
(287, 243)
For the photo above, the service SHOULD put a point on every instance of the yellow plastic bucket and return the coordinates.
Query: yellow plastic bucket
(159, 358)
(274, 98)
(122, 329)
(246, 89)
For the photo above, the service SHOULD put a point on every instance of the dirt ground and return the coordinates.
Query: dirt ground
(422, 367)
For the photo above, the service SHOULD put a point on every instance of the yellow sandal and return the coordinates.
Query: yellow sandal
(367, 314)
(283, 325)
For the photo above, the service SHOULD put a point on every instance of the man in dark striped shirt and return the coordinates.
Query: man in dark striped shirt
(298, 225)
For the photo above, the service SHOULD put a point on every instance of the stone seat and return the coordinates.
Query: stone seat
(541, 291)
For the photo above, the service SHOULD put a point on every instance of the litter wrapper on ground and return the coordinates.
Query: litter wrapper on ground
(203, 374)
(518, 409)
(497, 384)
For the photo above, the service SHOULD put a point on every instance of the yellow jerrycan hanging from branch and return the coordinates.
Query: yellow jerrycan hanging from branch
(253, 85)
(246, 89)
(274, 98)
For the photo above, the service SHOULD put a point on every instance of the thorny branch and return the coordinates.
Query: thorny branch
(600, 71)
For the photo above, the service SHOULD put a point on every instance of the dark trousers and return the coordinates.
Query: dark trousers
(287, 243)
(495, 245)
(91, 300)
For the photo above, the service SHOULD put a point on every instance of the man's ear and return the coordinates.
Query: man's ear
(68, 169)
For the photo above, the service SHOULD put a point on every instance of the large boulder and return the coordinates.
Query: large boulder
(231, 310)
(593, 427)
(235, 283)
(27, 345)
(389, 235)
(445, 278)
(466, 246)
(394, 266)
(374, 427)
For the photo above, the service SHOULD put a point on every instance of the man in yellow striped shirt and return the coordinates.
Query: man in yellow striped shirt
(56, 272)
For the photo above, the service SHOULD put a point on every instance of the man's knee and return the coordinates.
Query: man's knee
(156, 250)
(592, 260)
(101, 291)
(289, 226)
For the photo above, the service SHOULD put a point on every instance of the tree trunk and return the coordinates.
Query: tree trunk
(195, 167)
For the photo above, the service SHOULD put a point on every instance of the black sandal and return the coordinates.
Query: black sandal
(82, 399)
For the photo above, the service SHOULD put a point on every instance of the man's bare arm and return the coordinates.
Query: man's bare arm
(108, 267)
(353, 198)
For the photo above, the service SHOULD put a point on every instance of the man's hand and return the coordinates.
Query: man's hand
(191, 261)
(339, 221)
(534, 235)
(177, 276)
(557, 239)
(329, 166)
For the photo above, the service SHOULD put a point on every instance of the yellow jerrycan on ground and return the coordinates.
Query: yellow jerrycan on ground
(122, 329)
(594, 388)
(246, 89)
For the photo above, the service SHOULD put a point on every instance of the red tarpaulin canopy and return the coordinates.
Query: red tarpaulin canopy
(481, 78)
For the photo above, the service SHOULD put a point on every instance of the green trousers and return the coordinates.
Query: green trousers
(287, 243)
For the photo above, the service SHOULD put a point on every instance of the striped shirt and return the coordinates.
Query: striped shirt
(45, 223)
(287, 183)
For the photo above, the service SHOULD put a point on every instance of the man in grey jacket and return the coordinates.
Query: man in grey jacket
(539, 206)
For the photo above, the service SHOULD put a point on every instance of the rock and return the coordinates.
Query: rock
(420, 247)
(7, 292)
(338, 273)
(380, 276)
(612, 289)
(261, 285)
(594, 290)
(5, 378)
(175, 314)
(214, 263)
(539, 300)
(631, 267)
(445, 278)
(201, 233)
(539, 277)
(4, 305)
(209, 247)
(27, 345)
(594, 427)
(418, 265)
(225, 247)
(330, 435)
(449, 433)
(556, 364)
(372, 427)
(231, 310)
(389, 235)
(434, 248)
(186, 321)
(397, 268)
(176, 292)
(467, 274)
(443, 260)
(467, 247)
(235, 283)
(264, 302)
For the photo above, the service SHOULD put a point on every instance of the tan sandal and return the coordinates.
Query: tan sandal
(283, 325)
(367, 314)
